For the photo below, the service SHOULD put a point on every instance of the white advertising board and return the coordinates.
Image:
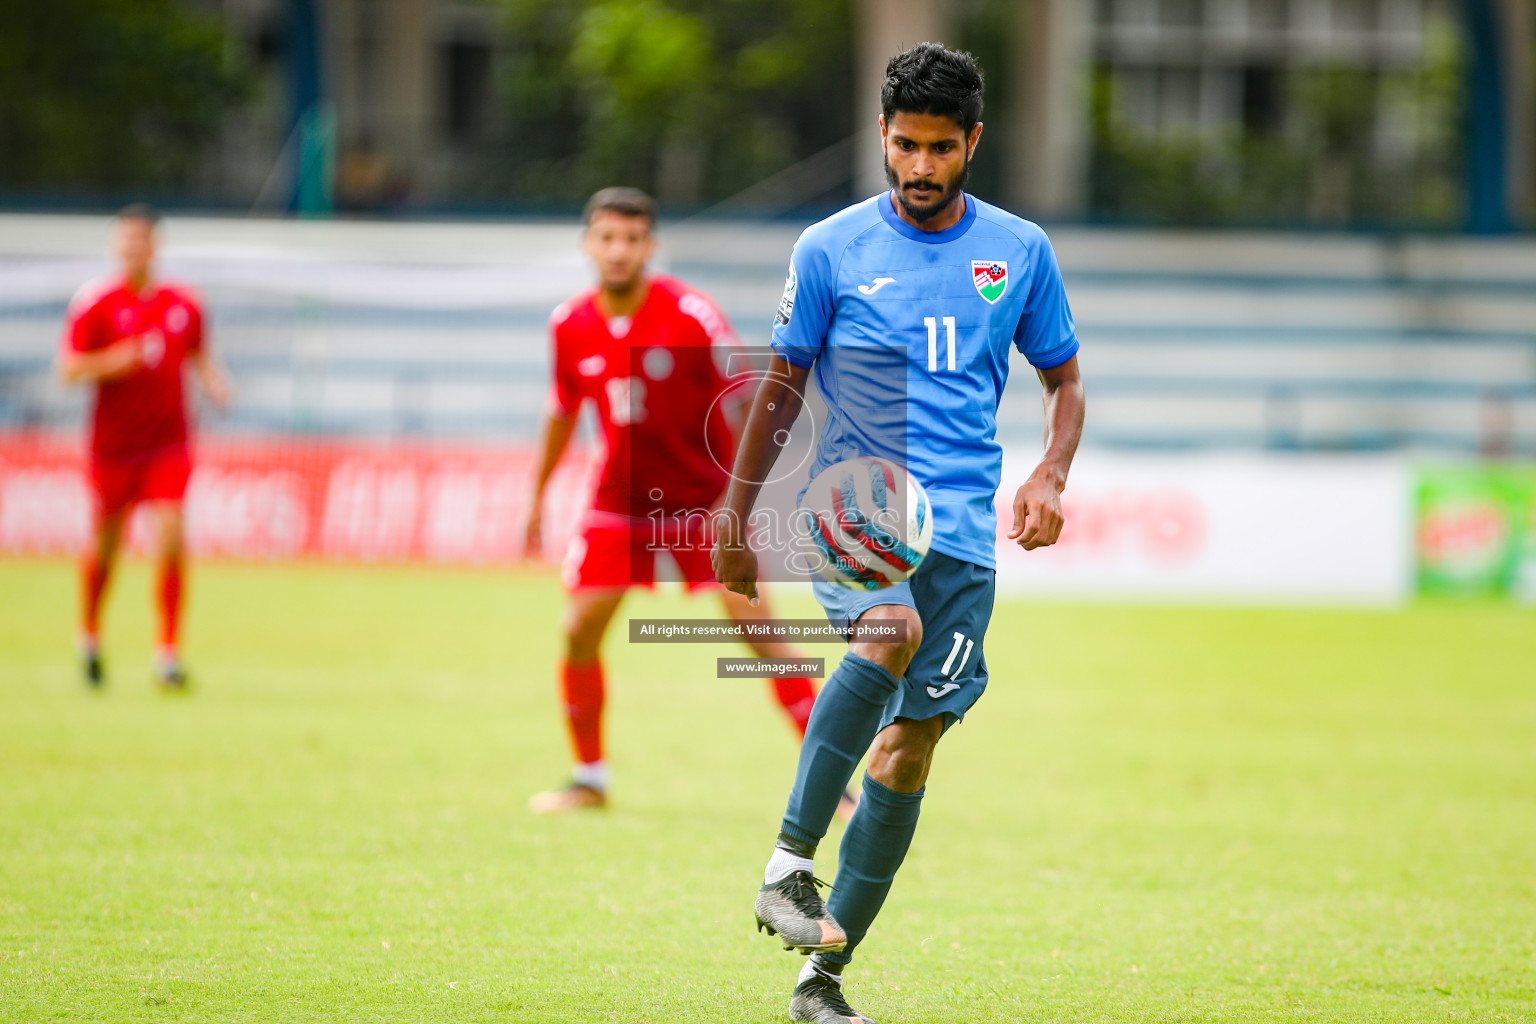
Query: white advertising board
(1251, 528)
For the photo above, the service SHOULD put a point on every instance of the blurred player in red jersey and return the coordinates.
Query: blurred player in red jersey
(647, 351)
(127, 336)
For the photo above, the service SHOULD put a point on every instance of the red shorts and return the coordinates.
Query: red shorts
(614, 552)
(159, 475)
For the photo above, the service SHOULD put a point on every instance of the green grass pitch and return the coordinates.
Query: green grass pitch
(1155, 814)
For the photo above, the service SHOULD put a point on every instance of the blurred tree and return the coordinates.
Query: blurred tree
(647, 73)
(692, 99)
(108, 95)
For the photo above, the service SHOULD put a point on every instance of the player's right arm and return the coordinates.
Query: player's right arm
(555, 430)
(83, 358)
(554, 437)
(774, 411)
(112, 363)
(799, 333)
(83, 361)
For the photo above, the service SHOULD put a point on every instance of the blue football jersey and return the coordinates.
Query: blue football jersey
(909, 334)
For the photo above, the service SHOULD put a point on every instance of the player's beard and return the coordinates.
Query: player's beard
(624, 287)
(923, 214)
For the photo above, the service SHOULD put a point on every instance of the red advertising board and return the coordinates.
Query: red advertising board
(299, 497)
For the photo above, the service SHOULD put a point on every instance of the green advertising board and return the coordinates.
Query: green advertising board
(1476, 531)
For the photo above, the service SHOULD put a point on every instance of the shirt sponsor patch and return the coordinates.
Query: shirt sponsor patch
(787, 303)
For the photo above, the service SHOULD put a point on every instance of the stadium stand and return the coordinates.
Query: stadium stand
(409, 330)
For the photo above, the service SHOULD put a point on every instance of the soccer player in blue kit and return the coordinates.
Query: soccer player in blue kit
(909, 300)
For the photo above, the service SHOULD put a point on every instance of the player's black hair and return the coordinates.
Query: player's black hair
(140, 211)
(930, 78)
(629, 202)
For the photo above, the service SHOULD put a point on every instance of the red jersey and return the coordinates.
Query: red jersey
(146, 410)
(655, 378)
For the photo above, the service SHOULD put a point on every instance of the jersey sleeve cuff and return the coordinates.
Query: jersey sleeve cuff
(1057, 356)
(795, 355)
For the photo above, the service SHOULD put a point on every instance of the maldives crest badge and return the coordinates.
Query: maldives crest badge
(991, 277)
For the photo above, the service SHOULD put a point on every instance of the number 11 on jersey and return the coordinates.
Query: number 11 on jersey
(932, 323)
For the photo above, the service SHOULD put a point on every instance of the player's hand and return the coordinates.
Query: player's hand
(1037, 518)
(734, 561)
(120, 359)
(533, 533)
(220, 392)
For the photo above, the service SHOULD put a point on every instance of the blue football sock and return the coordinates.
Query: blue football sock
(843, 723)
(873, 848)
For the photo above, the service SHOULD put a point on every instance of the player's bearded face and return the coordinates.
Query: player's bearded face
(619, 247)
(927, 163)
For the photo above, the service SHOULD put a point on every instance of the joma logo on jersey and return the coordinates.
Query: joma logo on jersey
(991, 278)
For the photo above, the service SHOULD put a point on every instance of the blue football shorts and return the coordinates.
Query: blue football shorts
(954, 600)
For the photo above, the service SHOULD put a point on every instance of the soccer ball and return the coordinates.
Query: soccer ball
(865, 523)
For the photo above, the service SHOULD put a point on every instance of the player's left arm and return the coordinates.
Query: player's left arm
(1037, 518)
(210, 373)
(714, 331)
(213, 378)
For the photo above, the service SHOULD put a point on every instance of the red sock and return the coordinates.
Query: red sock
(93, 585)
(168, 591)
(583, 687)
(797, 695)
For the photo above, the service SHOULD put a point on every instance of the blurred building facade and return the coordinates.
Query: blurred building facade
(1287, 104)
(403, 89)
(1294, 107)
(1378, 114)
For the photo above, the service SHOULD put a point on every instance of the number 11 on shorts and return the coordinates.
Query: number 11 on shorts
(959, 639)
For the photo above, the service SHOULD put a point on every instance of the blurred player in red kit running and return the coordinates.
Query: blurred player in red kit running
(128, 336)
(648, 352)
